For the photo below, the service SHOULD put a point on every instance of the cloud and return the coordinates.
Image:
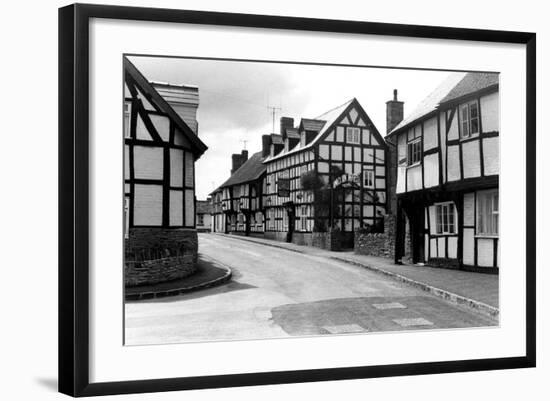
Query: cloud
(234, 99)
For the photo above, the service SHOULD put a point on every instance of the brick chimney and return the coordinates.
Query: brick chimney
(237, 160)
(266, 143)
(394, 115)
(394, 112)
(286, 122)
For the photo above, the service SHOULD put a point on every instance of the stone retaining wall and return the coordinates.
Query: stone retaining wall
(377, 244)
(154, 255)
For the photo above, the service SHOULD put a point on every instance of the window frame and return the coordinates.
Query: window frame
(127, 204)
(127, 116)
(469, 119)
(414, 142)
(353, 131)
(439, 221)
(371, 173)
(483, 196)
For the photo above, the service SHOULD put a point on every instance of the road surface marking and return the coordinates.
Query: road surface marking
(391, 305)
(345, 328)
(419, 321)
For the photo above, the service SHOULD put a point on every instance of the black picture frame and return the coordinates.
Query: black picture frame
(74, 198)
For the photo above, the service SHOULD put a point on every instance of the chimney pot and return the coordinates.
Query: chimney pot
(395, 95)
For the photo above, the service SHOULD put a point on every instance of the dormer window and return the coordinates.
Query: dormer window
(469, 119)
(353, 135)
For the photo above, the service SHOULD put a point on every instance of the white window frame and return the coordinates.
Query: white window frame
(410, 158)
(127, 118)
(442, 211)
(466, 130)
(126, 217)
(481, 219)
(368, 178)
(353, 135)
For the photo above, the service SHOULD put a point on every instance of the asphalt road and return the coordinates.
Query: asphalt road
(279, 293)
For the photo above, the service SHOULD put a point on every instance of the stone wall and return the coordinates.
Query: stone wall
(299, 238)
(154, 255)
(331, 241)
(377, 244)
(324, 240)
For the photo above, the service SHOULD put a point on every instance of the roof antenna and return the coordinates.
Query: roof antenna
(273, 111)
(244, 141)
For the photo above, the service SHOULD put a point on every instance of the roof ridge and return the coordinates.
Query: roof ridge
(334, 108)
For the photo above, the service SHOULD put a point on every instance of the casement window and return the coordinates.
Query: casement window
(469, 119)
(353, 135)
(126, 216)
(445, 218)
(127, 116)
(487, 213)
(414, 151)
(303, 218)
(368, 178)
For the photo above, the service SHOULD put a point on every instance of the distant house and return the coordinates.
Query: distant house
(204, 215)
(237, 203)
(341, 149)
(447, 175)
(160, 147)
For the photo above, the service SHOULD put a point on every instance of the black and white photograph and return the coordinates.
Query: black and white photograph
(267, 200)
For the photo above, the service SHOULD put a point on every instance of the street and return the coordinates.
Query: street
(278, 293)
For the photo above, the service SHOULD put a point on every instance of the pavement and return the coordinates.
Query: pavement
(276, 292)
(479, 288)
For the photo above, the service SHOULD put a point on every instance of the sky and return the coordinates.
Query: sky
(235, 96)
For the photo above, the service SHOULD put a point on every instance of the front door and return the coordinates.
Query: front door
(291, 210)
(416, 221)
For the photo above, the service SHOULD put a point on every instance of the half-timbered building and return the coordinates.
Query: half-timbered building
(238, 201)
(160, 147)
(447, 169)
(344, 152)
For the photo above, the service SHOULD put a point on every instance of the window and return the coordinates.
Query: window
(445, 218)
(487, 213)
(200, 219)
(127, 114)
(469, 119)
(126, 216)
(368, 178)
(353, 135)
(304, 218)
(414, 151)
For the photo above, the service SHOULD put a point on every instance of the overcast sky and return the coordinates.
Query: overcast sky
(234, 99)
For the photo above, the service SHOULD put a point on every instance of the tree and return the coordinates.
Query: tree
(323, 202)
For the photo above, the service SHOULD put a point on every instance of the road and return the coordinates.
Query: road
(278, 293)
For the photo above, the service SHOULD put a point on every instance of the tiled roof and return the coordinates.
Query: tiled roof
(251, 170)
(292, 133)
(431, 102)
(309, 124)
(277, 139)
(204, 207)
(455, 86)
(471, 83)
(330, 116)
